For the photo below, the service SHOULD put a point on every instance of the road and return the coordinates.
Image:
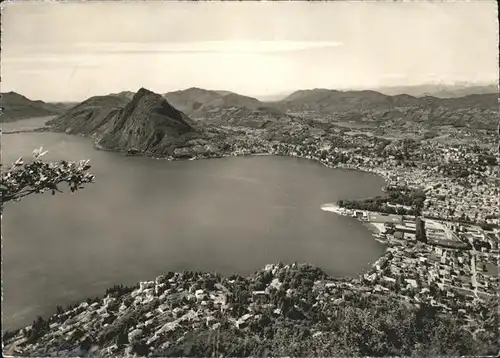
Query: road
(473, 269)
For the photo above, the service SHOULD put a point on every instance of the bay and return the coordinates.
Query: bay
(143, 217)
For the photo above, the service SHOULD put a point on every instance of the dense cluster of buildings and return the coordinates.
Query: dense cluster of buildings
(445, 268)
(154, 315)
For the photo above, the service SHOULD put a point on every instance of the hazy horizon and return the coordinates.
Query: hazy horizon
(72, 51)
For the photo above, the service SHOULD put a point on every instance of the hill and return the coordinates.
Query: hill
(191, 99)
(325, 100)
(89, 117)
(218, 106)
(153, 124)
(240, 111)
(63, 106)
(480, 101)
(16, 106)
(146, 122)
(441, 91)
(478, 111)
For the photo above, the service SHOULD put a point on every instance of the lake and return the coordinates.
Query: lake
(143, 217)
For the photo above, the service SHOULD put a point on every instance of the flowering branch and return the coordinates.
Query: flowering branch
(38, 176)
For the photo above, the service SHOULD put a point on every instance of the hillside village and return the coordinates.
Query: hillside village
(160, 317)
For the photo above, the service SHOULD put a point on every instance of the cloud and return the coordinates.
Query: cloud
(394, 76)
(218, 47)
(49, 62)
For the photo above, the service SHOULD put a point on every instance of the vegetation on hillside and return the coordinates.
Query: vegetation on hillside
(398, 200)
(16, 107)
(282, 310)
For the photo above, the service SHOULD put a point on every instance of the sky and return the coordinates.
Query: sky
(69, 51)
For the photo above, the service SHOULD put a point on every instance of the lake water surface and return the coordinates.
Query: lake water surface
(143, 217)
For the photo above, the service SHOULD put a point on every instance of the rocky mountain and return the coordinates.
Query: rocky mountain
(146, 122)
(16, 106)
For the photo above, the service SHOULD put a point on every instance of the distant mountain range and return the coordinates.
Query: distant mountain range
(201, 103)
(325, 100)
(193, 99)
(441, 91)
(166, 123)
(478, 111)
(430, 89)
(196, 102)
(16, 106)
(152, 123)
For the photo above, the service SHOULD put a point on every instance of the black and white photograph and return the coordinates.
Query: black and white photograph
(250, 178)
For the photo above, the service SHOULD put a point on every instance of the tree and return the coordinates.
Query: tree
(38, 176)
(420, 230)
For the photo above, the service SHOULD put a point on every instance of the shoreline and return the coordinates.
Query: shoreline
(31, 130)
(337, 209)
(97, 146)
(333, 207)
(370, 280)
(374, 228)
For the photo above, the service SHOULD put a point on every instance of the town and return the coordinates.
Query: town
(447, 265)
(363, 222)
(456, 267)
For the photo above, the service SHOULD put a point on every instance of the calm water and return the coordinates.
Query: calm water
(143, 217)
